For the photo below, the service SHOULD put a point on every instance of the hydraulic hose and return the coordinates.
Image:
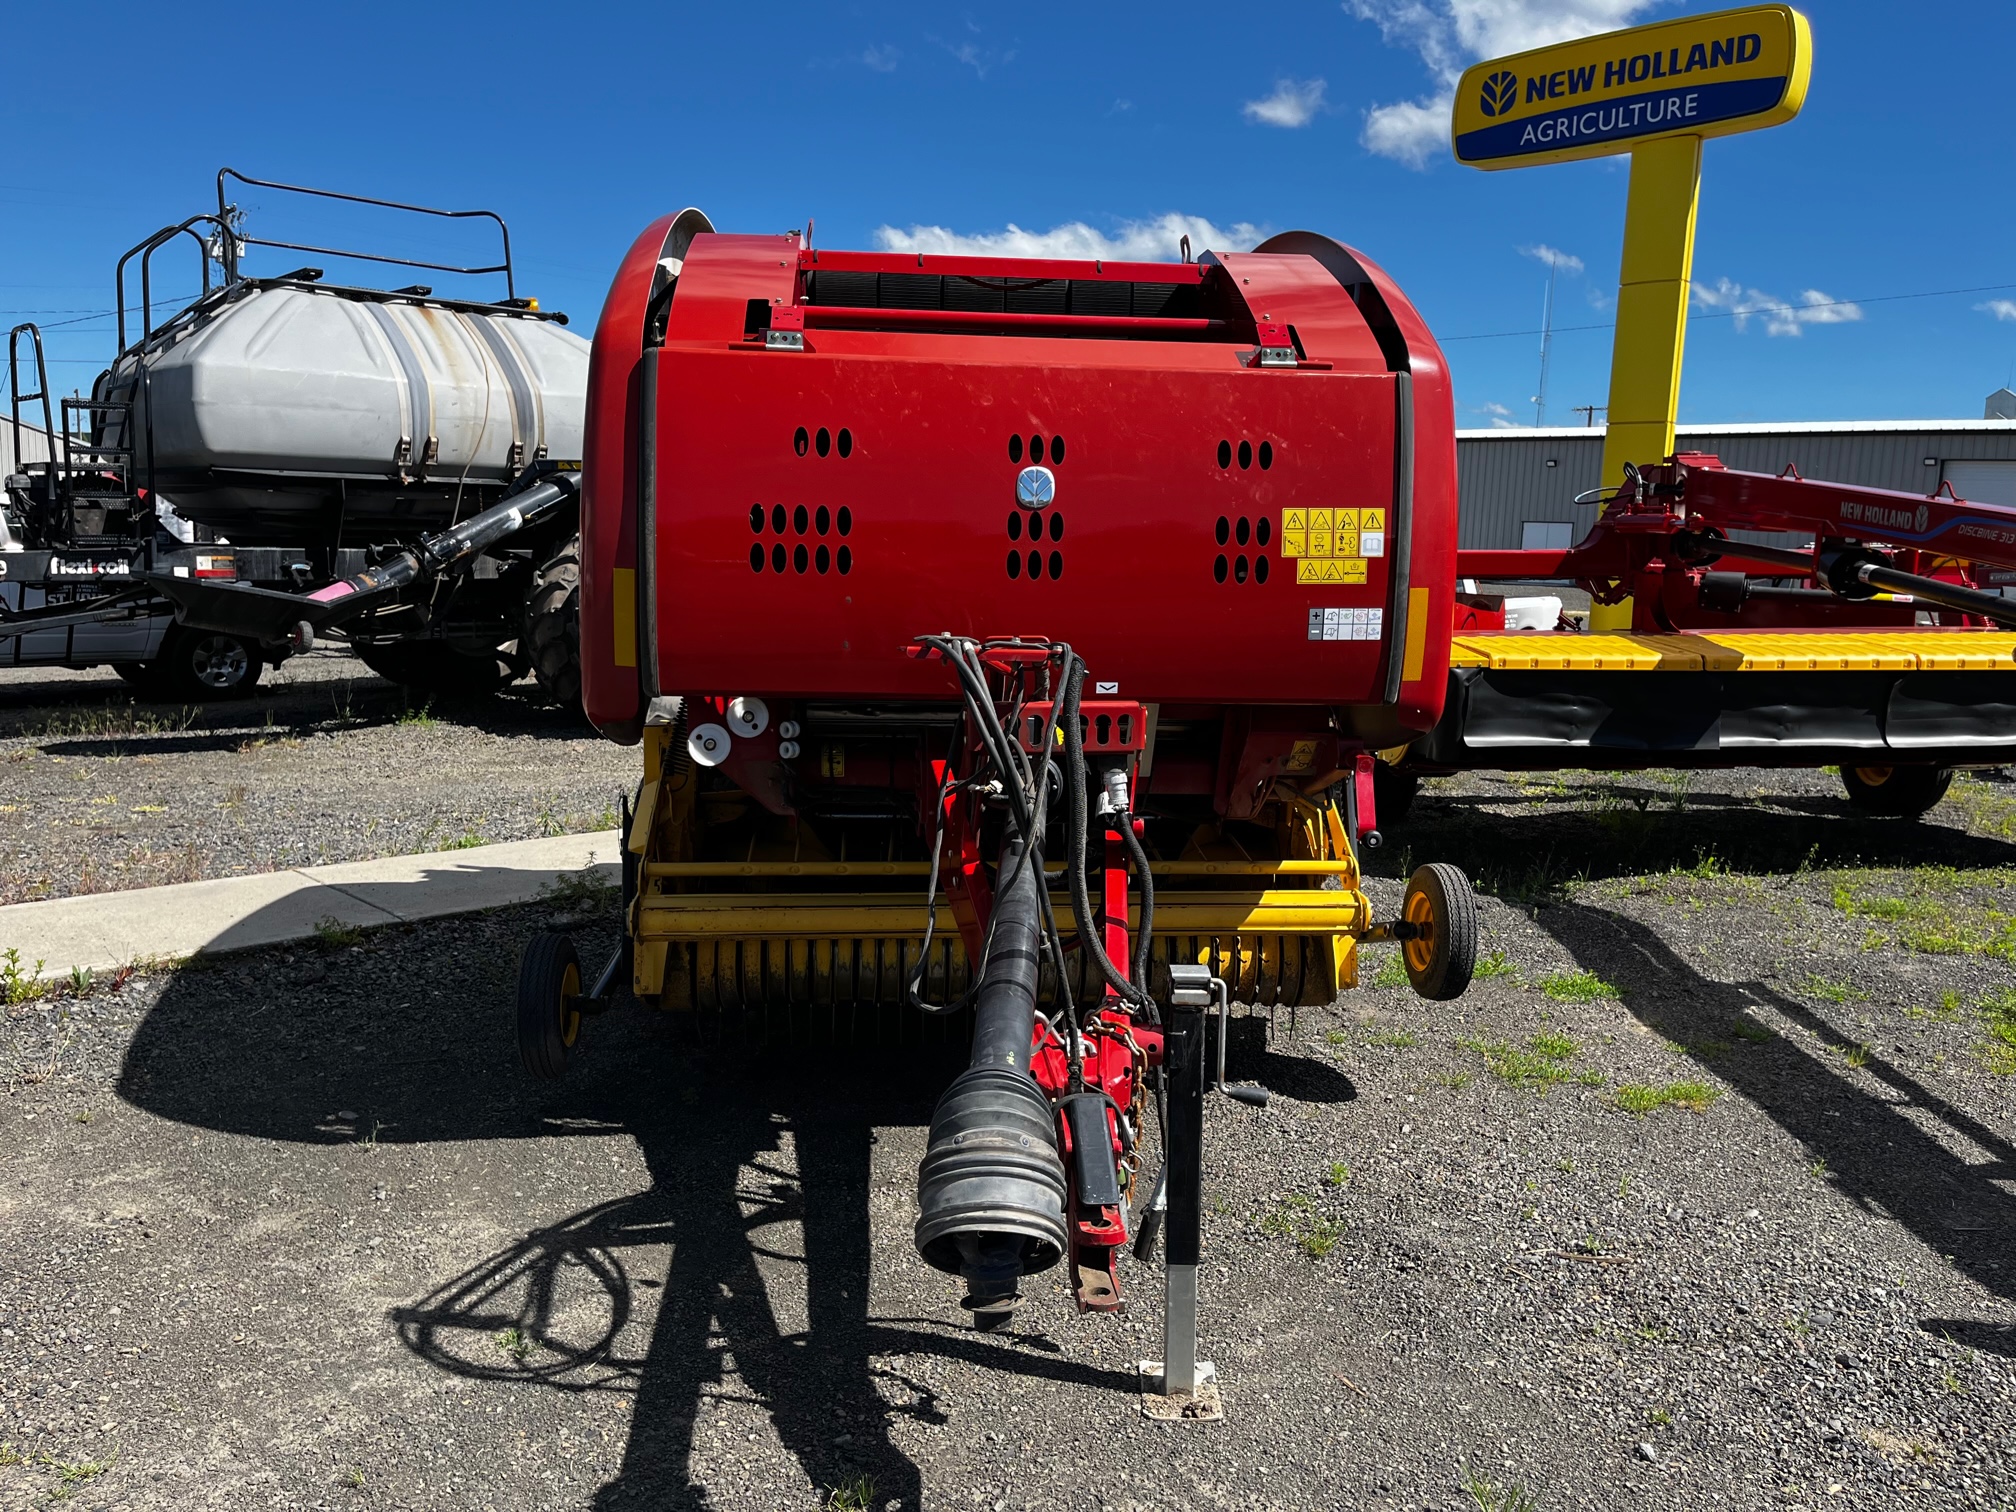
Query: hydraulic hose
(1081, 901)
(1144, 937)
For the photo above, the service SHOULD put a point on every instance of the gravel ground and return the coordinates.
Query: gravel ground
(291, 1230)
(326, 762)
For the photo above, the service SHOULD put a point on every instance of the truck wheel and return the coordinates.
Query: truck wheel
(1443, 951)
(552, 640)
(1898, 792)
(436, 667)
(204, 664)
(549, 996)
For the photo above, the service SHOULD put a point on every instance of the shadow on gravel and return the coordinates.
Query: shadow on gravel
(1522, 857)
(1873, 1150)
(766, 1268)
(1249, 1059)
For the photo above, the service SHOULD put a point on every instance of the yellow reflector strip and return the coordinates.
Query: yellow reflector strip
(1739, 651)
(623, 588)
(1417, 635)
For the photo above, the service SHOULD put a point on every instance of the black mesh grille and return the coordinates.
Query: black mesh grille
(1047, 296)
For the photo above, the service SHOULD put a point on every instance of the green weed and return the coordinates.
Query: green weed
(353, 1477)
(584, 891)
(1491, 1497)
(16, 984)
(422, 717)
(1392, 972)
(1998, 1017)
(1295, 1218)
(1638, 1098)
(1338, 1175)
(515, 1343)
(855, 1495)
(1399, 1039)
(1455, 1081)
(1537, 1065)
(469, 839)
(1828, 991)
(1496, 964)
(333, 934)
(1577, 987)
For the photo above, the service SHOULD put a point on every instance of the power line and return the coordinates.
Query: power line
(1744, 314)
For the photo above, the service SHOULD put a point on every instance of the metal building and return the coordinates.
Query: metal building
(1518, 486)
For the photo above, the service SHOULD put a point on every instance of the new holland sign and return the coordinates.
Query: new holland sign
(1697, 76)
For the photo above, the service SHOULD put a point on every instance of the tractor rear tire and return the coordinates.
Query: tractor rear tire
(1442, 958)
(1896, 792)
(436, 667)
(549, 1004)
(552, 638)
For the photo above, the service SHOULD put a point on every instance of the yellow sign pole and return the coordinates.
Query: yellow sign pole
(1655, 92)
(1651, 335)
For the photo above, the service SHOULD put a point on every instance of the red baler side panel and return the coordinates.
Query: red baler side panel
(611, 693)
(1431, 573)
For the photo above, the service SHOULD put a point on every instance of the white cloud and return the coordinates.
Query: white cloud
(1501, 417)
(1448, 35)
(981, 59)
(2001, 309)
(1727, 296)
(1554, 257)
(1293, 103)
(881, 59)
(1154, 240)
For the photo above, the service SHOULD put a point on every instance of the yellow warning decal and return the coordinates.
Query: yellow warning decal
(1308, 570)
(1344, 543)
(623, 636)
(1319, 543)
(1294, 543)
(1346, 533)
(1294, 519)
(1347, 519)
(1321, 519)
(1354, 569)
(1371, 519)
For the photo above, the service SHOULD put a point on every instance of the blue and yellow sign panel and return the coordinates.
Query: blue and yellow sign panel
(1701, 76)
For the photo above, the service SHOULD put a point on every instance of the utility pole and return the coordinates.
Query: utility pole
(1589, 412)
(1546, 340)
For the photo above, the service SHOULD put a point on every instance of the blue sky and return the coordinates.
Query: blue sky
(895, 122)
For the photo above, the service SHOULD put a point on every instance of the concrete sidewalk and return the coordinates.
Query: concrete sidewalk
(104, 931)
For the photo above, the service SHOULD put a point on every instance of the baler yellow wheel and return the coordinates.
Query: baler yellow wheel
(1440, 952)
(549, 1004)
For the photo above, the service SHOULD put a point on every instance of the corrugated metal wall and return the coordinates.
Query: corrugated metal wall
(1505, 478)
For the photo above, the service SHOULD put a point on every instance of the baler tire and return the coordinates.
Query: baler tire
(552, 638)
(436, 667)
(549, 1013)
(1439, 966)
(1896, 792)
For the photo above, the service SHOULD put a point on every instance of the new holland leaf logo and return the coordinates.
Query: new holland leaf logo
(1501, 92)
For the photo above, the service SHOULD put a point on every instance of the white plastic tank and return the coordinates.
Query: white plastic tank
(285, 407)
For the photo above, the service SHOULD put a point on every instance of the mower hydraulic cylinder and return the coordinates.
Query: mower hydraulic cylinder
(1990, 606)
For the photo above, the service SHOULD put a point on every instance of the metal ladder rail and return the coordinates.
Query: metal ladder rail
(16, 398)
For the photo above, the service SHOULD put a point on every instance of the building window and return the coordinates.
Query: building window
(1546, 535)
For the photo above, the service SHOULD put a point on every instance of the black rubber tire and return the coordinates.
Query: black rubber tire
(1897, 792)
(438, 668)
(1392, 793)
(549, 1018)
(552, 638)
(1439, 968)
(202, 665)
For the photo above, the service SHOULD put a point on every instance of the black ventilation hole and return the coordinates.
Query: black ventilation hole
(1056, 450)
(1217, 568)
(1015, 563)
(777, 519)
(823, 442)
(1015, 525)
(777, 557)
(845, 441)
(822, 521)
(1056, 564)
(1035, 448)
(756, 557)
(845, 522)
(1035, 564)
(1242, 532)
(1264, 530)
(1260, 570)
(844, 559)
(1245, 453)
(1224, 530)
(1224, 452)
(1056, 526)
(1266, 454)
(822, 559)
(800, 556)
(1014, 448)
(800, 441)
(1238, 567)
(756, 518)
(800, 519)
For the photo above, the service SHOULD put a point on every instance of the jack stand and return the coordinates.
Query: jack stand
(1179, 1387)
